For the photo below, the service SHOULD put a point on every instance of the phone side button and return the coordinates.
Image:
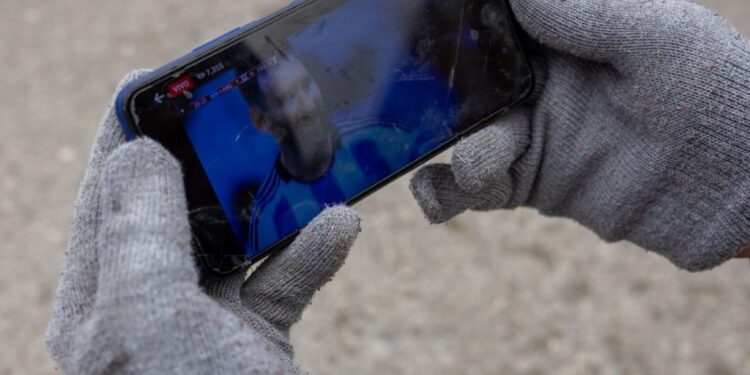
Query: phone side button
(212, 41)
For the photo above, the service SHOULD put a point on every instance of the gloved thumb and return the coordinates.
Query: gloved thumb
(479, 177)
(144, 243)
(284, 285)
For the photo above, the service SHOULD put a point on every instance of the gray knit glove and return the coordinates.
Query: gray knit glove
(129, 300)
(639, 130)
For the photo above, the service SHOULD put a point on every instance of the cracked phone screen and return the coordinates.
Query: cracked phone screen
(324, 104)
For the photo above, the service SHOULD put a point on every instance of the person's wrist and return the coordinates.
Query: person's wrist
(745, 253)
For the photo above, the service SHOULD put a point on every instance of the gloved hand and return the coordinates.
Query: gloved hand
(129, 299)
(639, 130)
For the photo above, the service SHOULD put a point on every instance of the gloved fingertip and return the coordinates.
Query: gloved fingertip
(323, 246)
(145, 225)
(334, 230)
(318, 252)
(285, 284)
(142, 177)
(137, 162)
(425, 187)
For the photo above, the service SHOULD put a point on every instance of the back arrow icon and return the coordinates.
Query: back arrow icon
(159, 98)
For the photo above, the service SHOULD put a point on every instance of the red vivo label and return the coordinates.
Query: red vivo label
(181, 85)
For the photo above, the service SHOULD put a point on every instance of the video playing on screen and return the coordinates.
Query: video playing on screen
(286, 126)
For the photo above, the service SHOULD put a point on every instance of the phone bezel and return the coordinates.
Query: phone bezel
(126, 97)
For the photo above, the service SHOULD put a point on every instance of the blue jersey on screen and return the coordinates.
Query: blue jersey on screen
(373, 147)
(372, 150)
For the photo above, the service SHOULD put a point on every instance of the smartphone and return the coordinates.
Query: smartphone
(321, 103)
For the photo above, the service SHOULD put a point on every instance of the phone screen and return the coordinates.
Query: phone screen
(321, 106)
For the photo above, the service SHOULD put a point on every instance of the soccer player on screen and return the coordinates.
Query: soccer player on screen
(288, 104)
(319, 162)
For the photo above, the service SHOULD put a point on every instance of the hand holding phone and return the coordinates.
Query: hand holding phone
(639, 132)
(129, 299)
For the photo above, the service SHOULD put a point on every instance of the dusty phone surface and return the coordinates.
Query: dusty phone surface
(321, 103)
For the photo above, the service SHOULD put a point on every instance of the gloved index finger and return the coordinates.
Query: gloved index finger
(78, 284)
(144, 242)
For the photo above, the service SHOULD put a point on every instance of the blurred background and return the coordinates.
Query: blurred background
(505, 292)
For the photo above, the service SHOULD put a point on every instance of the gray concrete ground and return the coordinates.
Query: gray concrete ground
(506, 292)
